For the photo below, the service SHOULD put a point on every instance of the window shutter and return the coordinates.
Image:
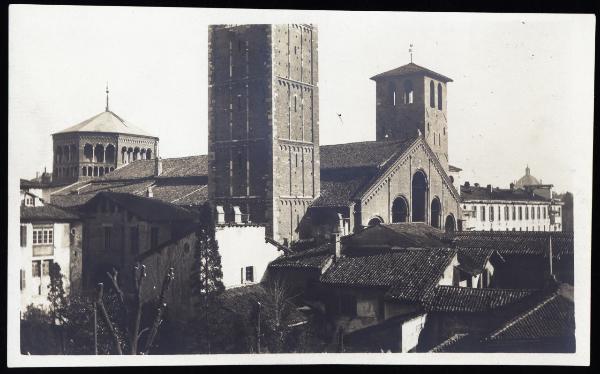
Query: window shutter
(23, 236)
(22, 279)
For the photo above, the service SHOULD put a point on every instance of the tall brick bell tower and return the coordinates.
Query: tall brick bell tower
(263, 124)
(410, 99)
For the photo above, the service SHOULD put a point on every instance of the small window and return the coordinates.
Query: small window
(36, 270)
(544, 210)
(491, 213)
(408, 92)
(439, 96)
(520, 213)
(506, 214)
(394, 97)
(249, 273)
(474, 211)
(107, 234)
(43, 236)
(46, 267)
(295, 103)
(483, 213)
(532, 213)
(514, 213)
(526, 213)
(538, 213)
(431, 94)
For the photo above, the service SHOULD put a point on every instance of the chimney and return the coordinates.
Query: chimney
(512, 186)
(489, 188)
(149, 192)
(157, 166)
(467, 184)
(476, 184)
(337, 245)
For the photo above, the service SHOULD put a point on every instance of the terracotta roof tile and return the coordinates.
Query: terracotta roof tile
(361, 154)
(313, 258)
(410, 69)
(107, 122)
(470, 193)
(517, 243)
(46, 212)
(472, 300)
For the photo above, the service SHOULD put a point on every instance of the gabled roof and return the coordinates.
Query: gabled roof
(406, 272)
(313, 258)
(106, 122)
(146, 208)
(46, 212)
(179, 167)
(338, 190)
(371, 154)
(449, 344)
(471, 193)
(472, 300)
(517, 243)
(553, 317)
(415, 234)
(411, 69)
(474, 260)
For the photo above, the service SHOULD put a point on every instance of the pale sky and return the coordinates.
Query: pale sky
(522, 91)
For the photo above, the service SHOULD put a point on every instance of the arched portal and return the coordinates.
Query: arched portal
(375, 221)
(149, 154)
(124, 155)
(419, 196)
(129, 154)
(143, 154)
(400, 210)
(99, 153)
(436, 212)
(136, 153)
(450, 225)
(110, 153)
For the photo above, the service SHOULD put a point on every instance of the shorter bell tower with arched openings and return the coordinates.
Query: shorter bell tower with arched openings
(412, 99)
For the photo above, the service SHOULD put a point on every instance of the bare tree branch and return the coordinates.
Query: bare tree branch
(107, 319)
(161, 306)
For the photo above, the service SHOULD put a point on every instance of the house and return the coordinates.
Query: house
(48, 235)
(529, 257)
(118, 227)
(543, 321)
(512, 209)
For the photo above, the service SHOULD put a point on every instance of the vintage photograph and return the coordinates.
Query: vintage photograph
(203, 182)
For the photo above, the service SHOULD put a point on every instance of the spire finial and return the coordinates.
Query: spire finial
(410, 50)
(107, 96)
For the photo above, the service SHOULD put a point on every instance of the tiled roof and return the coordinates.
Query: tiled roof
(473, 260)
(313, 258)
(408, 271)
(449, 344)
(146, 208)
(371, 154)
(517, 243)
(470, 193)
(46, 212)
(107, 122)
(179, 167)
(409, 69)
(340, 190)
(420, 274)
(417, 234)
(472, 300)
(80, 193)
(553, 317)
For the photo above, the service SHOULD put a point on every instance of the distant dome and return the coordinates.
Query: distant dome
(527, 179)
(106, 122)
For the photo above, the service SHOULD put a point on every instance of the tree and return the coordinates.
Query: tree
(206, 285)
(132, 306)
(56, 294)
